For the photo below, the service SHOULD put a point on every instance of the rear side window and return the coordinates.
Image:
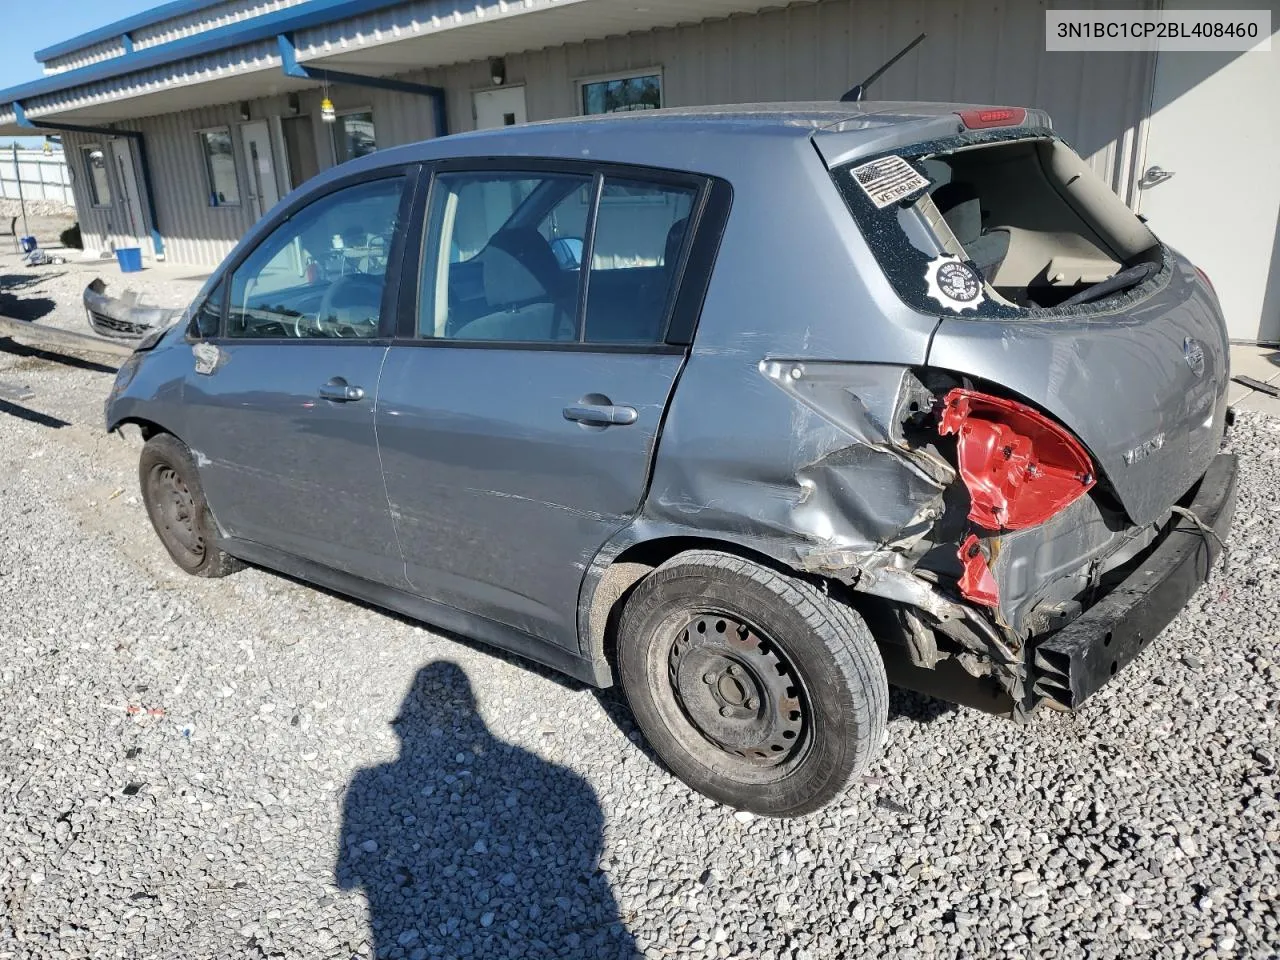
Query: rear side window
(1002, 228)
(551, 257)
(499, 262)
(640, 232)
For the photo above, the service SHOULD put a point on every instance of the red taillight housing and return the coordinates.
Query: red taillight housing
(1207, 282)
(992, 117)
(1020, 467)
(976, 581)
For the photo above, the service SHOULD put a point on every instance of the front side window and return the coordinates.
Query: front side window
(220, 167)
(95, 165)
(620, 94)
(356, 136)
(491, 270)
(321, 273)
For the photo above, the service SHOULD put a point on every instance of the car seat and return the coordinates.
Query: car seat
(958, 203)
(522, 288)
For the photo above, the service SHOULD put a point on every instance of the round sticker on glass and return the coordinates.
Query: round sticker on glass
(954, 284)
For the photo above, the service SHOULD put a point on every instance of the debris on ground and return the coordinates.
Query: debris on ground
(124, 317)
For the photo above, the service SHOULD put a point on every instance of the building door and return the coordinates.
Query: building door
(501, 107)
(263, 193)
(130, 227)
(1209, 127)
(300, 149)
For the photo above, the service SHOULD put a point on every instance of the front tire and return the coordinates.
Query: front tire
(178, 510)
(755, 688)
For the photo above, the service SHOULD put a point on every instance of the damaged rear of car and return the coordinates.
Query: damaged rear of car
(1075, 384)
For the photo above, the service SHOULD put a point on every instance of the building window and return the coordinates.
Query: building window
(635, 91)
(356, 137)
(95, 164)
(220, 167)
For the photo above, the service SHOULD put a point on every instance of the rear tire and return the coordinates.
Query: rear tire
(755, 688)
(178, 510)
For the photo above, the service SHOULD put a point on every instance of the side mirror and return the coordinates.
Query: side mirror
(568, 251)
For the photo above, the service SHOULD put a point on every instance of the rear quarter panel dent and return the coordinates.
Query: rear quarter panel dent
(824, 484)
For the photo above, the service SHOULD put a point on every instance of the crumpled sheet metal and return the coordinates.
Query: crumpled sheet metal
(123, 317)
(867, 494)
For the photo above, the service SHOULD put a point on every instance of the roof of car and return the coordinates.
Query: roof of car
(799, 118)
(705, 140)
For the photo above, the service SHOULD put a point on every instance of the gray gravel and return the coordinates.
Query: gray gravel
(252, 768)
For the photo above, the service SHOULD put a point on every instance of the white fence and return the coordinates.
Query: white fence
(44, 176)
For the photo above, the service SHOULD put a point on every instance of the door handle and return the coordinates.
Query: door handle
(1155, 174)
(601, 414)
(339, 391)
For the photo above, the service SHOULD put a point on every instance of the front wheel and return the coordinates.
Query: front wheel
(175, 503)
(756, 688)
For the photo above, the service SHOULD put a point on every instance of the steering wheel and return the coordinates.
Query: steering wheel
(356, 293)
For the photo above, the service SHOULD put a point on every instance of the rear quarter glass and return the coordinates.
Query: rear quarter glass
(915, 245)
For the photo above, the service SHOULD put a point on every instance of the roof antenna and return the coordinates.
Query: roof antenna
(855, 95)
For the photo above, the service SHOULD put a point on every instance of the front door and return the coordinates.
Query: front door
(516, 432)
(131, 228)
(1205, 128)
(500, 107)
(281, 409)
(263, 192)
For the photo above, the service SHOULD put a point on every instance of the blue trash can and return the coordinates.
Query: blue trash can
(28, 244)
(129, 258)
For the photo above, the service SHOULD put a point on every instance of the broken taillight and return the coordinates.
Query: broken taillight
(1019, 466)
(992, 117)
(976, 582)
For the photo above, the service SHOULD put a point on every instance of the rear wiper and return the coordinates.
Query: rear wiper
(1124, 280)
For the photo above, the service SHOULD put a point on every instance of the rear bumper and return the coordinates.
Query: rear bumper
(1073, 663)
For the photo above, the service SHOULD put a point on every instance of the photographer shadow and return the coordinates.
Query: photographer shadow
(469, 846)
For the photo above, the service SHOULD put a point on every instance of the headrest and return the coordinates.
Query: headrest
(518, 266)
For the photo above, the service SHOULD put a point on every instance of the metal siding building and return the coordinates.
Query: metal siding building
(193, 65)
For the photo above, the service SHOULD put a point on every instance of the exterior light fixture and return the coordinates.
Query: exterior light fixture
(498, 71)
(327, 113)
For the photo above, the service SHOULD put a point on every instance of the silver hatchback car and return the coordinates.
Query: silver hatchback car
(752, 410)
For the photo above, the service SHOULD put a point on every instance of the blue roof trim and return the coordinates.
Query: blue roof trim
(166, 11)
(304, 16)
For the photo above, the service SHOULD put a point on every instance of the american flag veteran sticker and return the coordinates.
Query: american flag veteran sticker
(888, 180)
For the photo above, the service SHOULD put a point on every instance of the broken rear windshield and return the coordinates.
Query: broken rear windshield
(989, 226)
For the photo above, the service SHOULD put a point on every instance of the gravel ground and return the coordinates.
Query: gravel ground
(253, 768)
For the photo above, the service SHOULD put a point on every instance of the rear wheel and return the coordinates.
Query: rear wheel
(176, 506)
(756, 688)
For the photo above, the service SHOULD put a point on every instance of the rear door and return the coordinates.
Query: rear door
(518, 416)
(280, 406)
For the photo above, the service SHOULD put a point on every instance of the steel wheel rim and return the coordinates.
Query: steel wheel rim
(176, 511)
(739, 691)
